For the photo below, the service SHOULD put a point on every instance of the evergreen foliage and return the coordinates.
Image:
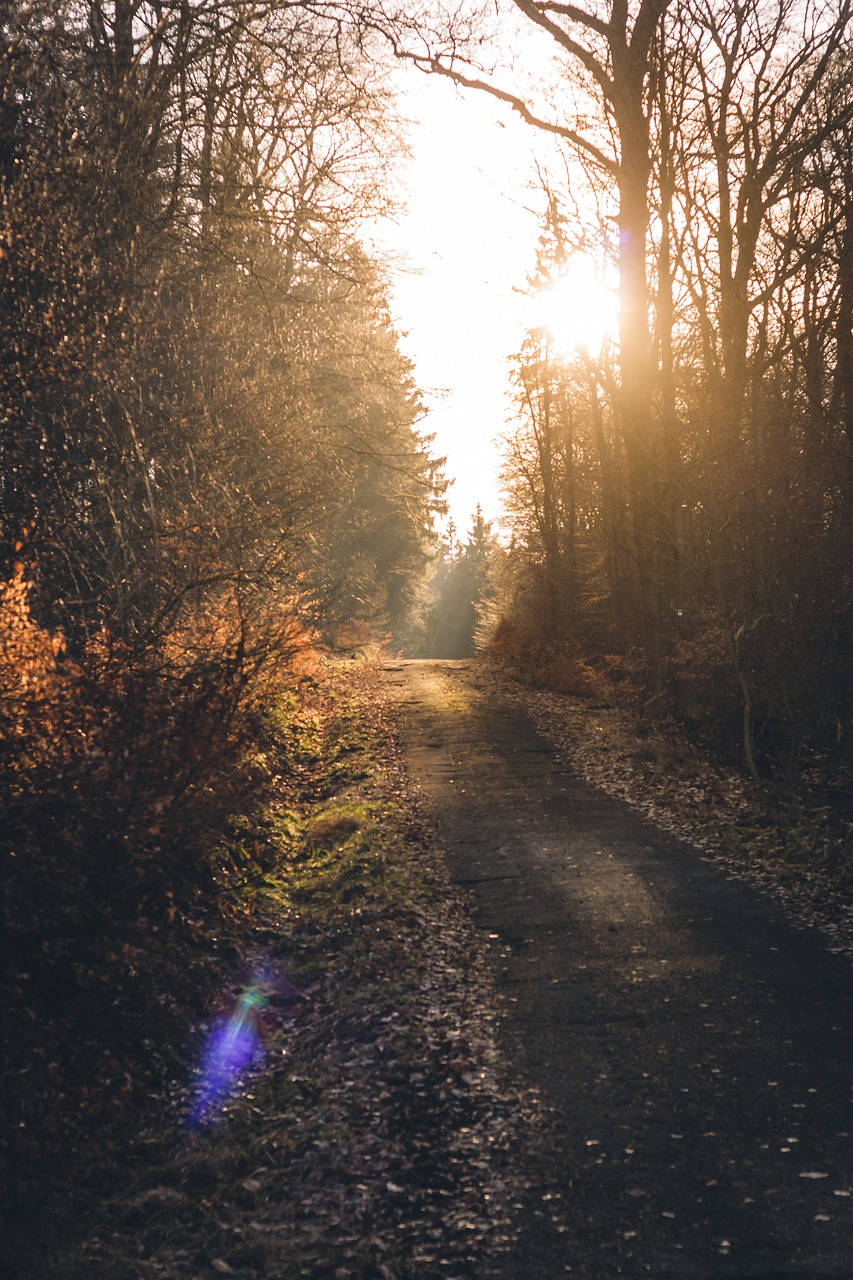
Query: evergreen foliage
(459, 593)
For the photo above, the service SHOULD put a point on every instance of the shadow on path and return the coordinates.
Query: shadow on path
(697, 1051)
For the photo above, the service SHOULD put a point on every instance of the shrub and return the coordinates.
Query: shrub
(119, 770)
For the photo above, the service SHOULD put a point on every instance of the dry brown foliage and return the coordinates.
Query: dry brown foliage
(119, 772)
(555, 664)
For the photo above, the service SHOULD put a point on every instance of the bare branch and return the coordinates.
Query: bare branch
(585, 57)
(435, 66)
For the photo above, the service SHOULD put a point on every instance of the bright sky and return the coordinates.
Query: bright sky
(467, 241)
(466, 245)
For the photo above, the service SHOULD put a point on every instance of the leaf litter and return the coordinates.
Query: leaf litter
(774, 841)
(380, 1136)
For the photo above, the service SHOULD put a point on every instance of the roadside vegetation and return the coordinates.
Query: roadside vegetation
(213, 468)
(375, 1136)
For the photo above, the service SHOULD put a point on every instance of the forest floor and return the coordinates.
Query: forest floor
(376, 1135)
(387, 1130)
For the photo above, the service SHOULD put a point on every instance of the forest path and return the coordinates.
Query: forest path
(696, 1050)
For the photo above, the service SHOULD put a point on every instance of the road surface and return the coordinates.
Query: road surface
(696, 1050)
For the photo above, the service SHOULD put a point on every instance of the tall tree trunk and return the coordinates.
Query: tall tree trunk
(842, 397)
(634, 404)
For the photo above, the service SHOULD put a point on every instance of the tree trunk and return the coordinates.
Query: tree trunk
(634, 403)
(843, 383)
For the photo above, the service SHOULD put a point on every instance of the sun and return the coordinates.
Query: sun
(578, 310)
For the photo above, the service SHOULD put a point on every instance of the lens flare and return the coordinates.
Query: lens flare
(234, 1047)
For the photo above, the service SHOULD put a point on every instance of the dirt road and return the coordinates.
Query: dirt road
(697, 1051)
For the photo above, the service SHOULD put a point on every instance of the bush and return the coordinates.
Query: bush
(119, 771)
(553, 664)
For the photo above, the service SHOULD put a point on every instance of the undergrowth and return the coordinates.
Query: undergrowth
(375, 1138)
(121, 768)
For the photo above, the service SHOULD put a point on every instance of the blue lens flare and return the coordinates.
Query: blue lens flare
(234, 1047)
